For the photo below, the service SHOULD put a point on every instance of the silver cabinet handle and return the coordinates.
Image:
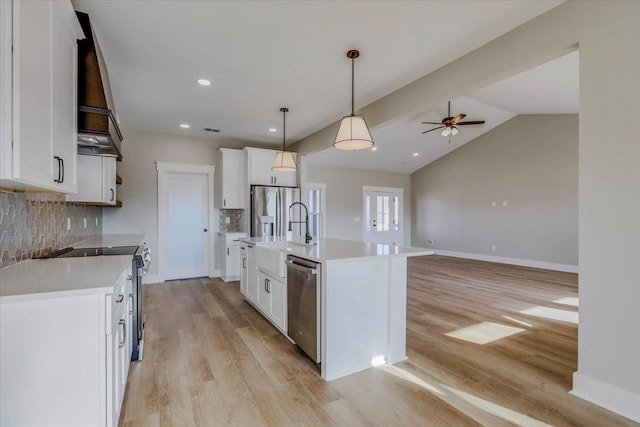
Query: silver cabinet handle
(131, 297)
(120, 298)
(244, 263)
(113, 195)
(268, 286)
(123, 323)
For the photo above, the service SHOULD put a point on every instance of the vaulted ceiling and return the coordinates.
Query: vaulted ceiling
(261, 55)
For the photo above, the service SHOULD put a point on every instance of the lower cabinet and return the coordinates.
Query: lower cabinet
(272, 299)
(65, 359)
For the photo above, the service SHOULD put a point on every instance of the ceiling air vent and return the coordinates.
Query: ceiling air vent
(212, 130)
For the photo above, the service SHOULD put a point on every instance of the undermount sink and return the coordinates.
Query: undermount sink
(271, 256)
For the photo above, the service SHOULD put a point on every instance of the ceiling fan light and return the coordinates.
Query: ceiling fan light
(454, 131)
(353, 134)
(284, 162)
(446, 132)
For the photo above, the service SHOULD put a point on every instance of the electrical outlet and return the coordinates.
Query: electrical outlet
(494, 204)
(96, 221)
(227, 220)
(85, 222)
(493, 247)
(68, 223)
(356, 219)
(504, 203)
(431, 241)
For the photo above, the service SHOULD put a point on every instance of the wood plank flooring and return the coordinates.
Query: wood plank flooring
(212, 360)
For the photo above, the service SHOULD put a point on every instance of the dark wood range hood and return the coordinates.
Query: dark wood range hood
(98, 130)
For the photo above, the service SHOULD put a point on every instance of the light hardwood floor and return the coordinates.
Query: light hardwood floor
(212, 360)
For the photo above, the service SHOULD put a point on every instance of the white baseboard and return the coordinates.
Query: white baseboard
(567, 268)
(608, 396)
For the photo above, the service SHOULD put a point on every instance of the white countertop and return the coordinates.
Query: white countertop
(331, 250)
(50, 278)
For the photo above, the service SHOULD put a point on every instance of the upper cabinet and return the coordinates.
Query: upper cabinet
(233, 178)
(259, 163)
(97, 181)
(38, 99)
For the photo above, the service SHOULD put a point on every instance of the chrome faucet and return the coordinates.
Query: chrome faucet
(307, 236)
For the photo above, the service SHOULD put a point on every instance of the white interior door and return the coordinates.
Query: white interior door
(382, 214)
(185, 194)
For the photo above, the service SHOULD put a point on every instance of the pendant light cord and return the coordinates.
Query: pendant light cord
(284, 129)
(353, 72)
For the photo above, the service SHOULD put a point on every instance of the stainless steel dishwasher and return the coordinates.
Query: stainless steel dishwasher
(303, 304)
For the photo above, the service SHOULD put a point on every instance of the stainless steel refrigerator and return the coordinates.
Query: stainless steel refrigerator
(271, 213)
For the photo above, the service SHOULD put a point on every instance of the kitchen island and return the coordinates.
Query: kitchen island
(362, 297)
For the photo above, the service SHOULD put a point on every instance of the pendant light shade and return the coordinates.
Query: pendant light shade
(284, 161)
(353, 133)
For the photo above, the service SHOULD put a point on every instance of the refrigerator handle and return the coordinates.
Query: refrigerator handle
(278, 212)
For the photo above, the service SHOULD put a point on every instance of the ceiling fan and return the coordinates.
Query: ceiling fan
(450, 124)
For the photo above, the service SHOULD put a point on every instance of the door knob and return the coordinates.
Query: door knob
(205, 230)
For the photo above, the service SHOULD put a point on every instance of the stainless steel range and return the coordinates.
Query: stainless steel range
(139, 268)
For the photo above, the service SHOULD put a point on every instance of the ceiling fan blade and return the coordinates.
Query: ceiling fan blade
(430, 130)
(477, 122)
(431, 123)
(457, 118)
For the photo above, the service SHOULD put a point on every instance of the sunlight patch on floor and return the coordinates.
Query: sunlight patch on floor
(455, 394)
(497, 410)
(553, 314)
(568, 301)
(521, 322)
(408, 376)
(484, 332)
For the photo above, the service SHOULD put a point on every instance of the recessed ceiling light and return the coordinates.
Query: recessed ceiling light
(273, 130)
(204, 82)
(185, 125)
(374, 148)
(416, 154)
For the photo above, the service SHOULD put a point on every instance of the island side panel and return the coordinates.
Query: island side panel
(356, 315)
(397, 309)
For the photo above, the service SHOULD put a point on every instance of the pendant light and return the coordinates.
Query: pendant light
(284, 161)
(353, 133)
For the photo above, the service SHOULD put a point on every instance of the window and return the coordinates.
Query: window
(316, 201)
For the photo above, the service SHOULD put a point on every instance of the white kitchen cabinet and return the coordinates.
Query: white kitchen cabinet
(62, 360)
(38, 140)
(272, 299)
(233, 179)
(252, 278)
(96, 180)
(278, 303)
(263, 292)
(231, 263)
(259, 163)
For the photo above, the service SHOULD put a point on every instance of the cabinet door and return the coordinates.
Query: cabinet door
(243, 272)
(233, 260)
(260, 168)
(233, 180)
(33, 160)
(109, 180)
(252, 275)
(64, 112)
(285, 179)
(263, 292)
(90, 176)
(278, 304)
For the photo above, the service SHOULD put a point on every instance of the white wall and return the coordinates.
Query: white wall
(607, 33)
(139, 190)
(531, 162)
(344, 198)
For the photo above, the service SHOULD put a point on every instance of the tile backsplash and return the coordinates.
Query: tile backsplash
(35, 224)
(236, 220)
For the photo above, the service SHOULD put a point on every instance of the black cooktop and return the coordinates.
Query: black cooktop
(82, 252)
